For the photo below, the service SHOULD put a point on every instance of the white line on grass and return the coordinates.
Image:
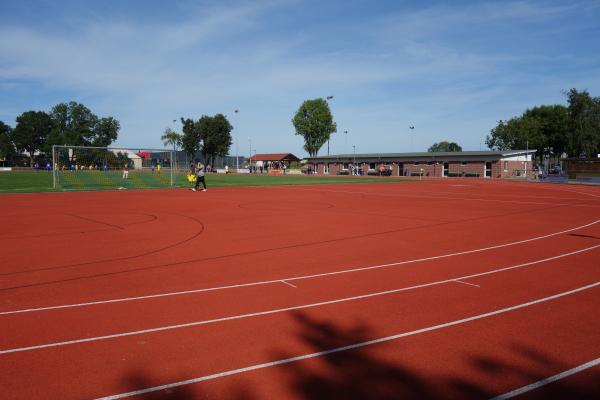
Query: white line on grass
(286, 309)
(192, 291)
(344, 348)
(548, 380)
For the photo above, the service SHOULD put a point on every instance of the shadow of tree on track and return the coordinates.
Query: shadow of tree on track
(359, 374)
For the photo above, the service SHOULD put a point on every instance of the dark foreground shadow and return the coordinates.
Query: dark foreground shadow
(358, 374)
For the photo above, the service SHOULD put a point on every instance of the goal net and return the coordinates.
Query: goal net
(94, 168)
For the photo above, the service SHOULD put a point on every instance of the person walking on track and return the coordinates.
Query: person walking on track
(200, 177)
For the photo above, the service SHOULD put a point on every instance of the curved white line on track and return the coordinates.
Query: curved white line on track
(420, 196)
(548, 380)
(294, 278)
(286, 309)
(346, 348)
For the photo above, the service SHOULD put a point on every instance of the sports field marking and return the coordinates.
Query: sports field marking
(548, 380)
(346, 348)
(289, 284)
(179, 293)
(465, 283)
(417, 195)
(286, 309)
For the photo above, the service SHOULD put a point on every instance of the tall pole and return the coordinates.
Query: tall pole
(328, 98)
(354, 163)
(237, 159)
(250, 156)
(526, 156)
(345, 141)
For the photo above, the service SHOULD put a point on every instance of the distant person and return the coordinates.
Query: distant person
(125, 171)
(48, 167)
(200, 172)
(227, 169)
(153, 168)
(158, 169)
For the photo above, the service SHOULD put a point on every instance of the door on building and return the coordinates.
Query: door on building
(400, 169)
(488, 169)
(446, 167)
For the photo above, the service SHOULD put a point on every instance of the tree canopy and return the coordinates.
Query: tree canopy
(31, 132)
(553, 129)
(444, 146)
(7, 148)
(209, 135)
(314, 122)
(76, 125)
(171, 138)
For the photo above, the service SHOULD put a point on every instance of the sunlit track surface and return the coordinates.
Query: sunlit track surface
(467, 289)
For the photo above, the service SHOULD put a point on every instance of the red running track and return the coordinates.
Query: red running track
(446, 289)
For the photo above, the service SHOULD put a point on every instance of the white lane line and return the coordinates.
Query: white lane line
(289, 284)
(435, 197)
(281, 310)
(465, 283)
(345, 348)
(548, 380)
(360, 269)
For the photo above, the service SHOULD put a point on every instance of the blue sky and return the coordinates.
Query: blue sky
(450, 69)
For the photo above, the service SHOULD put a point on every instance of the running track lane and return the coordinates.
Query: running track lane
(112, 318)
(208, 348)
(264, 265)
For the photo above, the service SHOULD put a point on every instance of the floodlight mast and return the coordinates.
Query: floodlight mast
(237, 159)
(326, 100)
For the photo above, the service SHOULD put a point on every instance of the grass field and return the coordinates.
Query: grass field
(41, 181)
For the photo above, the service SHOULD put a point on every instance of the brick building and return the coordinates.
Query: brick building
(482, 164)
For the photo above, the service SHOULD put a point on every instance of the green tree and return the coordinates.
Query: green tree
(191, 139)
(7, 148)
(444, 146)
(31, 132)
(171, 138)
(216, 136)
(104, 132)
(314, 122)
(76, 125)
(549, 133)
(584, 132)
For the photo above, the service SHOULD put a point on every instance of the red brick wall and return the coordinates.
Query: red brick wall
(428, 170)
(515, 169)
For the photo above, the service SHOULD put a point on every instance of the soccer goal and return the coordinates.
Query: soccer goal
(93, 168)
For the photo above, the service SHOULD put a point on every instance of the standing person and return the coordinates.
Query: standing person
(158, 168)
(200, 178)
(126, 171)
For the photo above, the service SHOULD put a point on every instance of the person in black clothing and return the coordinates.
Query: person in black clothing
(200, 178)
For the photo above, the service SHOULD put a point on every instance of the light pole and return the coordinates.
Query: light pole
(354, 163)
(250, 155)
(345, 141)
(326, 100)
(411, 137)
(237, 159)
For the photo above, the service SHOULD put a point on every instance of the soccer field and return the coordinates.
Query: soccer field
(41, 181)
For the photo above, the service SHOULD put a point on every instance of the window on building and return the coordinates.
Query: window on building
(416, 163)
(463, 163)
(372, 166)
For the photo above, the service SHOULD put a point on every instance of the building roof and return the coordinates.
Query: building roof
(427, 155)
(274, 157)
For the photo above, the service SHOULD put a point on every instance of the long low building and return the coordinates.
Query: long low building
(484, 164)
